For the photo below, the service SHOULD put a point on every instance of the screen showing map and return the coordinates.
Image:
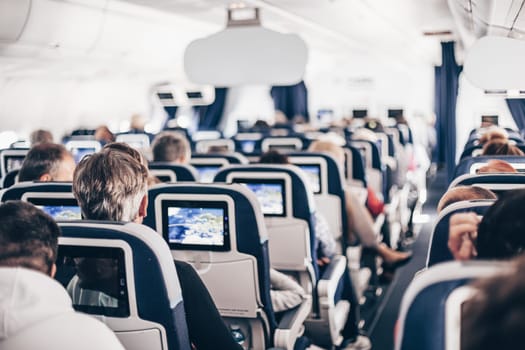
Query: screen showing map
(196, 225)
(270, 194)
(60, 209)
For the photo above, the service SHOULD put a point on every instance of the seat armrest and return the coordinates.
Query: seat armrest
(291, 325)
(328, 283)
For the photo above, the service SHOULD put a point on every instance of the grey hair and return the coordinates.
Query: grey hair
(110, 185)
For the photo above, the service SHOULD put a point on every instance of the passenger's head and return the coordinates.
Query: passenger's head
(104, 135)
(111, 185)
(124, 147)
(28, 237)
(273, 157)
(41, 136)
(496, 166)
(464, 193)
(501, 233)
(137, 122)
(501, 148)
(171, 147)
(494, 134)
(325, 146)
(47, 162)
(495, 317)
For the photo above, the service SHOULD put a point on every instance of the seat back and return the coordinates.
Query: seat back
(469, 165)
(136, 140)
(375, 171)
(287, 206)
(438, 248)
(354, 166)
(203, 146)
(81, 148)
(219, 229)
(140, 298)
(494, 182)
(207, 165)
(168, 172)
(11, 159)
(326, 182)
(10, 178)
(430, 313)
(282, 144)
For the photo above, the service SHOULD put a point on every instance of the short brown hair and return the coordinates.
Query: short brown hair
(28, 237)
(43, 158)
(109, 185)
(501, 148)
(170, 147)
(496, 166)
(464, 193)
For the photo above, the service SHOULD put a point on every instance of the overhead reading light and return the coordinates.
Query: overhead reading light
(495, 64)
(246, 53)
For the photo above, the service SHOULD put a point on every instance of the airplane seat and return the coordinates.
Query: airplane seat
(10, 178)
(288, 206)
(238, 253)
(430, 313)
(204, 146)
(469, 165)
(29, 190)
(137, 140)
(168, 172)
(496, 182)
(375, 170)
(137, 260)
(283, 144)
(438, 247)
(207, 165)
(248, 143)
(354, 167)
(11, 159)
(230, 157)
(327, 183)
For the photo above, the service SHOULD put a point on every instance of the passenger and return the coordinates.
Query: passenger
(501, 148)
(499, 235)
(124, 147)
(171, 147)
(40, 136)
(112, 185)
(464, 193)
(47, 162)
(492, 134)
(325, 251)
(495, 317)
(104, 135)
(360, 222)
(35, 310)
(496, 166)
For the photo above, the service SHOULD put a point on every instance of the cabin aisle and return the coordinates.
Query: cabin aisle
(381, 329)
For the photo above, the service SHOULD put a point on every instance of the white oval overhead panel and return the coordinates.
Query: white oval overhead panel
(246, 55)
(496, 64)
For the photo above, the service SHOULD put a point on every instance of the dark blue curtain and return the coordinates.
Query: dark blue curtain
(447, 77)
(171, 112)
(210, 116)
(517, 109)
(291, 100)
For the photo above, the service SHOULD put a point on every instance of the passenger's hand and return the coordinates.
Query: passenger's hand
(463, 231)
(323, 261)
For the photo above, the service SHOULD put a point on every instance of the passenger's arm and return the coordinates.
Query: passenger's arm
(463, 231)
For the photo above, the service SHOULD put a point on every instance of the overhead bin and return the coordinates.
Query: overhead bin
(495, 64)
(13, 16)
(246, 53)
